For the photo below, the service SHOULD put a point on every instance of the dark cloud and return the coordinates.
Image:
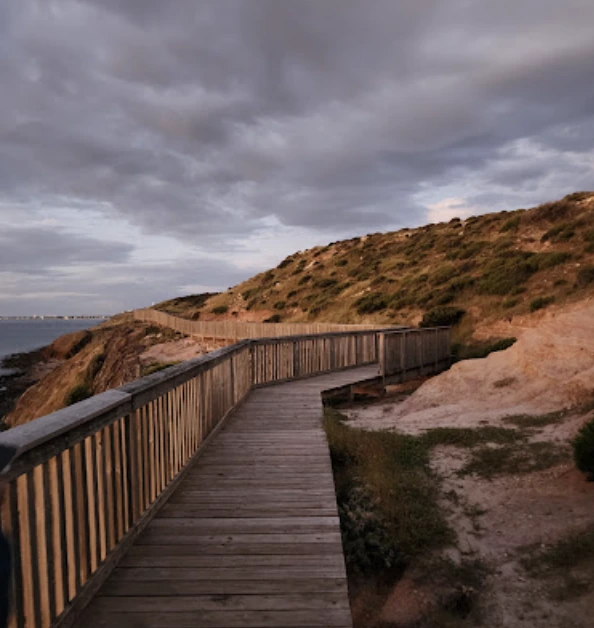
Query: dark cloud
(42, 250)
(207, 120)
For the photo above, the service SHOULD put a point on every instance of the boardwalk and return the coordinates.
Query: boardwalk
(251, 537)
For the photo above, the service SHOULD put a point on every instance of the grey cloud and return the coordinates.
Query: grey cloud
(42, 250)
(205, 120)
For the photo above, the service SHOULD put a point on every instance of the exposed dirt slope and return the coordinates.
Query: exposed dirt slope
(493, 266)
(550, 367)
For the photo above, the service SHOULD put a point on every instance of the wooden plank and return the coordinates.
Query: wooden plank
(159, 537)
(107, 618)
(200, 561)
(178, 604)
(252, 573)
(224, 587)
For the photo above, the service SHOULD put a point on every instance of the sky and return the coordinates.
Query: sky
(152, 149)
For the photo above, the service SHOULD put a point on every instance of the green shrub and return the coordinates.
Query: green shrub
(559, 233)
(585, 276)
(509, 303)
(507, 272)
(280, 305)
(248, 294)
(342, 262)
(442, 317)
(540, 302)
(578, 196)
(511, 225)
(373, 302)
(220, 309)
(275, 318)
(78, 393)
(268, 277)
(443, 274)
(480, 350)
(300, 266)
(325, 283)
(292, 294)
(542, 261)
(583, 449)
(304, 280)
(285, 263)
(158, 366)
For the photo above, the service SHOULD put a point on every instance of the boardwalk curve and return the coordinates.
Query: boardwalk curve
(251, 537)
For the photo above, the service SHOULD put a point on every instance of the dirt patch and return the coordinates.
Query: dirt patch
(177, 351)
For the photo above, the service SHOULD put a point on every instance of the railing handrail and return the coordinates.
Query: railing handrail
(221, 329)
(110, 405)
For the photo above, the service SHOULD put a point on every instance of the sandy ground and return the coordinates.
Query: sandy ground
(551, 367)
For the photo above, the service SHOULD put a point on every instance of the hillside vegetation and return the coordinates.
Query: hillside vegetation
(487, 267)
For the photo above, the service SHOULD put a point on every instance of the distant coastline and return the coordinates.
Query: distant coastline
(61, 317)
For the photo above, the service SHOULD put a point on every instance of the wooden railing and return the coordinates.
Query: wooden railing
(410, 353)
(87, 479)
(233, 330)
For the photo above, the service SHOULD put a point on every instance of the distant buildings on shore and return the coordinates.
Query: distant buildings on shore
(52, 317)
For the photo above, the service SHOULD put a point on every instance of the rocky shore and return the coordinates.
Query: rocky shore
(17, 373)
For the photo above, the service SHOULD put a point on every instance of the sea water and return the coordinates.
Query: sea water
(21, 336)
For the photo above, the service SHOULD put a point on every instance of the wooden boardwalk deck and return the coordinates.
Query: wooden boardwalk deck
(251, 537)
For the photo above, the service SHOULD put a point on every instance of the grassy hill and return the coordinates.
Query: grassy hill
(488, 267)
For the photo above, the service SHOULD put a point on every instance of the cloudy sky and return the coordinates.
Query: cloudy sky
(153, 148)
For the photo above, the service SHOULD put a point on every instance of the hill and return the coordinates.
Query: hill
(483, 269)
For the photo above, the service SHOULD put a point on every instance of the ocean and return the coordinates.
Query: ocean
(26, 335)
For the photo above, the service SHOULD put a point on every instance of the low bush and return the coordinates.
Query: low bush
(578, 196)
(286, 262)
(542, 261)
(507, 272)
(511, 224)
(373, 302)
(342, 262)
(220, 309)
(442, 317)
(280, 305)
(585, 276)
(268, 277)
(388, 501)
(540, 302)
(443, 274)
(559, 233)
(304, 280)
(300, 266)
(156, 367)
(325, 283)
(583, 450)
(275, 318)
(480, 350)
(78, 393)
